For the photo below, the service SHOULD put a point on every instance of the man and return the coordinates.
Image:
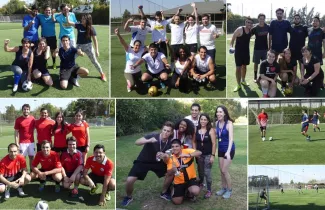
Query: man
(181, 163)
(242, 35)
(13, 171)
(316, 39)
(30, 25)
(299, 189)
(262, 119)
(24, 133)
(261, 30)
(278, 38)
(263, 196)
(316, 187)
(282, 190)
(139, 32)
(150, 159)
(101, 172)
(305, 124)
(50, 167)
(72, 163)
(43, 127)
(195, 114)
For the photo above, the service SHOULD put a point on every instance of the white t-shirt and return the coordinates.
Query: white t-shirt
(195, 122)
(202, 65)
(179, 67)
(177, 33)
(155, 65)
(191, 34)
(131, 58)
(139, 34)
(159, 29)
(206, 36)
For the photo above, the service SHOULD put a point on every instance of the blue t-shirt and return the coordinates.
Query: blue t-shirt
(223, 138)
(64, 29)
(32, 33)
(279, 30)
(82, 39)
(304, 118)
(315, 117)
(67, 57)
(48, 25)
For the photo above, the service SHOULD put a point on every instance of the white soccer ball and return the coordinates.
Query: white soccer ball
(232, 50)
(41, 205)
(271, 138)
(27, 85)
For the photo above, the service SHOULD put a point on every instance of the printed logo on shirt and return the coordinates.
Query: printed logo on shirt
(159, 27)
(270, 70)
(101, 169)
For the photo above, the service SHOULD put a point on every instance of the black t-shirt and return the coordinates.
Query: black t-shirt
(149, 150)
(269, 70)
(262, 193)
(242, 43)
(310, 66)
(315, 41)
(291, 64)
(39, 60)
(298, 36)
(260, 36)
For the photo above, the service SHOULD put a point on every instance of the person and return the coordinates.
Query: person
(242, 35)
(316, 40)
(299, 189)
(30, 25)
(183, 63)
(191, 31)
(205, 141)
(133, 54)
(288, 69)
(312, 79)
(13, 171)
(24, 133)
(86, 33)
(282, 190)
(262, 120)
(185, 131)
(50, 167)
(72, 165)
(261, 31)
(43, 127)
(226, 148)
(176, 29)
(305, 124)
(315, 120)
(269, 71)
(195, 114)
(150, 159)
(60, 130)
(22, 65)
(181, 164)
(263, 196)
(68, 68)
(316, 187)
(139, 32)
(101, 172)
(278, 33)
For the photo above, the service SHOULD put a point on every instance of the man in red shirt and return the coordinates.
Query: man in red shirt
(44, 128)
(101, 172)
(73, 163)
(51, 167)
(24, 133)
(13, 171)
(262, 119)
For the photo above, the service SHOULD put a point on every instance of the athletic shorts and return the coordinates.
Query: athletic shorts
(59, 149)
(263, 128)
(263, 197)
(259, 55)
(192, 47)
(222, 154)
(198, 71)
(82, 148)
(95, 178)
(180, 189)
(51, 41)
(315, 122)
(162, 47)
(156, 75)
(48, 177)
(12, 178)
(44, 72)
(27, 149)
(304, 128)
(141, 169)
(65, 74)
(242, 59)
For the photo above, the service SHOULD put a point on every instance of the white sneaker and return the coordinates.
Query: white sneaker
(129, 89)
(263, 139)
(15, 88)
(75, 82)
(7, 194)
(20, 191)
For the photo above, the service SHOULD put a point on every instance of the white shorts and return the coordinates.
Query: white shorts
(27, 149)
(72, 43)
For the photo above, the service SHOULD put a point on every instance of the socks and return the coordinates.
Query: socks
(255, 75)
(264, 91)
(17, 78)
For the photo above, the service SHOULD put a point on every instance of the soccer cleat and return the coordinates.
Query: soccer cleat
(103, 77)
(126, 201)
(207, 194)
(7, 193)
(244, 83)
(165, 196)
(221, 192)
(54, 66)
(227, 194)
(20, 191)
(93, 190)
(128, 89)
(75, 82)
(237, 88)
(15, 88)
(74, 192)
(107, 196)
(162, 85)
(57, 188)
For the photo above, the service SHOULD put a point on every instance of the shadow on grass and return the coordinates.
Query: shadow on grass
(317, 140)
(4, 68)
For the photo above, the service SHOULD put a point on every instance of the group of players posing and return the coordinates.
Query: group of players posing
(67, 161)
(187, 60)
(277, 58)
(171, 154)
(31, 57)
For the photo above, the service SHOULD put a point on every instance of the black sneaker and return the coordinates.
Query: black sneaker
(165, 196)
(126, 201)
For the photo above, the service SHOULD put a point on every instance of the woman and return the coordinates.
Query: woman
(312, 80)
(183, 63)
(191, 31)
(41, 55)
(22, 65)
(226, 148)
(133, 54)
(288, 69)
(269, 71)
(315, 121)
(60, 131)
(205, 141)
(185, 132)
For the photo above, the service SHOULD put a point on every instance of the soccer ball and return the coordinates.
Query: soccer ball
(231, 50)
(288, 92)
(271, 138)
(41, 205)
(153, 90)
(27, 85)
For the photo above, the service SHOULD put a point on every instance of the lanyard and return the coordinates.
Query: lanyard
(160, 144)
(220, 130)
(202, 137)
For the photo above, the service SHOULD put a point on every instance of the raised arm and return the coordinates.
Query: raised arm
(69, 23)
(9, 49)
(27, 26)
(122, 41)
(142, 141)
(47, 53)
(53, 15)
(195, 13)
(126, 25)
(141, 12)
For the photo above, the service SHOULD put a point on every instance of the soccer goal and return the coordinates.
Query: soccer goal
(262, 182)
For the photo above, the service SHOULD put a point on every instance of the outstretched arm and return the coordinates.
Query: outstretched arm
(126, 26)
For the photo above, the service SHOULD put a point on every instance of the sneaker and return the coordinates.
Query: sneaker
(222, 191)
(74, 192)
(57, 188)
(207, 194)
(108, 196)
(165, 196)
(20, 191)
(263, 138)
(93, 190)
(41, 187)
(227, 194)
(210, 85)
(54, 66)
(103, 77)
(244, 83)
(7, 193)
(162, 85)
(265, 96)
(15, 88)
(283, 89)
(75, 82)
(126, 201)
(237, 88)
(128, 89)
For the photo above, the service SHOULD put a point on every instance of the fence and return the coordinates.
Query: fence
(11, 18)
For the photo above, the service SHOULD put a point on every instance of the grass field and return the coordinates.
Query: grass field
(118, 86)
(146, 193)
(288, 146)
(253, 90)
(99, 135)
(291, 200)
(91, 86)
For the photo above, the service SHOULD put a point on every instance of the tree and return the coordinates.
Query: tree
(10, 114)
(14, 7)
(51, 109)
(313, 181)
(291, 182)
(126, 14)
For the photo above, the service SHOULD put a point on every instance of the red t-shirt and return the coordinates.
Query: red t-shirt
(100, 169)
(79, 132)
(71, 162)
(48, 163)
(262, 118)
(9, 167)
(25, 127)
(44, 129)
(60, 137)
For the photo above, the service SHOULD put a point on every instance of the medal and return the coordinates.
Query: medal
(220, 132)
(202, 138)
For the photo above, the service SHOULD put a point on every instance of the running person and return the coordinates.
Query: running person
(299, 189)
(60, 130)
(191, 31)
(262, 119)
(263, 196)
(195, 114)
(139, 32)
(185, 132)
(305, 124)
(44, 128)
(288, 69)
(30, 25)
(315, 120)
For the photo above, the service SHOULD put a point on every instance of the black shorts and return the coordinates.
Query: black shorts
(141, 169)
(304, 128)
(312, 88)
(180, 189)
(82, 148)
(96, 179)
(263, 197)
(263, 128)
(48, 177)
(12, 178)
(44, 72)
(156, 75)
(65, 74)
(59, 149)
(222, 154)
(259, 55)
(192, 47)
(52, 42)
(242, 59)
(162, 47)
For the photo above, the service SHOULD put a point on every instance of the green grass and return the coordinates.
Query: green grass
(288, 146)
(99, 135)
(291, 200)
(118, 86)
(91, 86)
(146, 193)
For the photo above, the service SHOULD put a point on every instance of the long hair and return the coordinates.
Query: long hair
(209, 124)
(89, 23)
(281, 60)
(187, 53)
(225, 110)
(56, 123)
(189, 126)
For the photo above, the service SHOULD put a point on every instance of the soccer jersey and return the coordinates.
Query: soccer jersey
(262, 118)
(310, 68)
(49, 162)
(32, 32)
(179, 68)
(9, 167)
(304, 119)
(191, 34)
(48, 25)
(131, 58)
(206, 36)
(159, 29)
(60, 136)
(177, 33)
(44, 129)
(242, 43)
(104, 168)
(82, 31)
(315, 118)
(67, 57)
(298, 36)
(315, 41)
(155, 65)
(80, 133)
(269, 70)
(202, 65)
(71, 162)
(260, 33)
(25, 127)
(64, 28)
(279, 30)
(139, 34)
